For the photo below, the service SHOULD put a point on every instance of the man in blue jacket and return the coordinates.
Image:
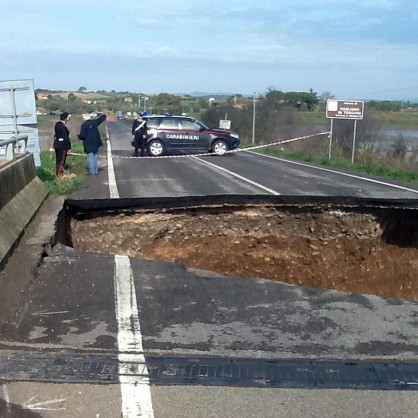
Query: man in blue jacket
(90, 135)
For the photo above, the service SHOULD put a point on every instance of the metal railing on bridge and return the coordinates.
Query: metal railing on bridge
(9, 148)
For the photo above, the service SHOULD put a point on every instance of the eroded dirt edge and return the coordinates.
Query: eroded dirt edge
(366, 251)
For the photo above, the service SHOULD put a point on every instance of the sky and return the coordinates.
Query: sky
(354, 50)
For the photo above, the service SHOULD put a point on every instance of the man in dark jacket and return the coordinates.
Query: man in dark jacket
(90, 135)
(62, 143)
(139, 133)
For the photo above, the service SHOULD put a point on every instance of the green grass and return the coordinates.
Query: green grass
(396, 119)
(314, 118)
(46, 124)
(76, 165)
(388, 119)
(75, 171)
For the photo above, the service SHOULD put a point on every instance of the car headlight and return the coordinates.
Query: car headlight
(233, 135)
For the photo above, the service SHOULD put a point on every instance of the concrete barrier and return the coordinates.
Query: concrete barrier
(21, 195)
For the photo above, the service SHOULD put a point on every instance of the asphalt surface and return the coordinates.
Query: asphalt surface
(243, 172)
(72, 304)
(62, 309)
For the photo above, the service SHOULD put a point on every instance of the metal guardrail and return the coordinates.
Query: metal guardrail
(10, 147)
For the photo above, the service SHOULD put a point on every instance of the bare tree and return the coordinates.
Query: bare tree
(399, 147)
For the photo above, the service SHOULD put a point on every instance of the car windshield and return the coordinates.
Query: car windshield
(191, 125)
(201, 125)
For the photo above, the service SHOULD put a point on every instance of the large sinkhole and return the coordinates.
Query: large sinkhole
(354, 245)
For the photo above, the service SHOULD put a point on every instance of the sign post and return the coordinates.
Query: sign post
(345, 109)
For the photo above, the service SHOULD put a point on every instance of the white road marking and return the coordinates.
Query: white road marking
(43, 405)
(336, 172)
(113, 188)
(260, 186)
(49, 313)
(133, 371)
(6, 399)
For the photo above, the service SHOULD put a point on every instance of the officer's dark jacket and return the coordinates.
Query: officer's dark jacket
(61, 136)
(90, 135)
(141, 131)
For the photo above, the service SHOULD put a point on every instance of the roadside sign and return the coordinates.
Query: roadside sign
(18, 114)
(345, 109)
(224, 124)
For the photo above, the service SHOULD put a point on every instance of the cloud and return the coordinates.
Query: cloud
(326, 44)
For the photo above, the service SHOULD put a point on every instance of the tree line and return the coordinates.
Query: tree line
(275, 115)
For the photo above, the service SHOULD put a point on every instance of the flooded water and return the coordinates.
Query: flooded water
(384, 143)
(408, 134)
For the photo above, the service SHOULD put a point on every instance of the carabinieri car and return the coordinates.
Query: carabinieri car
(183, 133)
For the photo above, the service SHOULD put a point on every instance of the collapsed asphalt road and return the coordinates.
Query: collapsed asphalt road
(80, 332)
(88, 314)
(70, 303)
(362, 250)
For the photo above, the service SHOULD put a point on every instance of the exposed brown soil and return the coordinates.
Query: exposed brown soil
(322, 247)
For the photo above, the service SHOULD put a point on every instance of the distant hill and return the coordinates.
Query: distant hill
(82, 96)
(205, 94)
(88, 96)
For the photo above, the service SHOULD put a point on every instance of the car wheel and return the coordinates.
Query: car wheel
(219, 147)
(156, 148)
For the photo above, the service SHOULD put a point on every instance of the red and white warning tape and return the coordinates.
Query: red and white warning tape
(286, 141)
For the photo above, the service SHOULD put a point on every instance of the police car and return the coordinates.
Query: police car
(182, 133)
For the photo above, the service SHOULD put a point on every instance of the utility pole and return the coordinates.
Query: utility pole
(253, 138)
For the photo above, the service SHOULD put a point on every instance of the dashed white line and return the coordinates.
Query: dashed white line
(133, 371)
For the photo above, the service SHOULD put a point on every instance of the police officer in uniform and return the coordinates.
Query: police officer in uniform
(62, 143)
(139, 134)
